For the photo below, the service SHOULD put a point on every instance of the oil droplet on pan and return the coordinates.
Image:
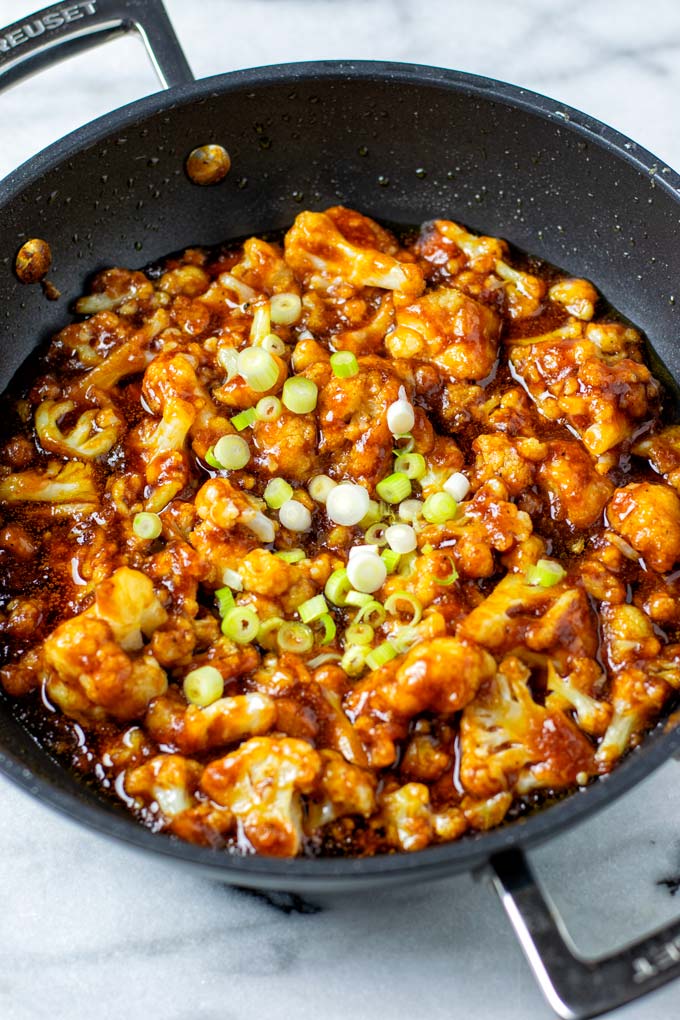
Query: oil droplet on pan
(208, 164)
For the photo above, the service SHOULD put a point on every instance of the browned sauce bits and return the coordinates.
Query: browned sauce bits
(33, 260)
(348, 544)
(208, 164)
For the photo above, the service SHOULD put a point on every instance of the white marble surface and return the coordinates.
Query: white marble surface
(90, 930)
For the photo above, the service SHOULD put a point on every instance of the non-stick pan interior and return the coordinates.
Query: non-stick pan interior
(402, 144)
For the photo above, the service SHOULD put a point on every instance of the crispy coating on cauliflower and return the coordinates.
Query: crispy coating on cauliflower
(342, 789)
(192, 729)
(92, 436)
(320, 254)
(510, 741)
(71, 484)
(663, 451)
(91, 678)
(575, 490)
(648, 516)
(261, 784)
(440, 676)
(456, 333)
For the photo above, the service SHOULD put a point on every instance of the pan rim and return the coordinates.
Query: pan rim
(325, 872)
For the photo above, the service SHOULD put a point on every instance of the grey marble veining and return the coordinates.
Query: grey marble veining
(90, 929)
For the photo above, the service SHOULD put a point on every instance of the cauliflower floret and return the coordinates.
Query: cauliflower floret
(353, 421)
(557, 620)
(93, 435)
(71, 484)
(440, 675)
(90, 341)
(576, 691)
(263, 268)
(509, 742)
(287, 446)
(441, 242)
(429, 753)
(169, 780)
(114, 288)
(524, 292)
(127, 602)
(648, 516)
(455, 332)
(513, 461)
(90, 677)
(191, 728)
(132, 356)
(225, 507)
(577, 493)
(578, 297)
(644, 674)
(590, 377)
(663, 451)
(407, 817)
(261, 783)
(342, 789)
(319, 253)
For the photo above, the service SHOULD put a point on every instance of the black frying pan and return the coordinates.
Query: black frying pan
(499, 159)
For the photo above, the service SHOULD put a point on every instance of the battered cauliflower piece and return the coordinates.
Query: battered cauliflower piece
(648, 516)
(127, 602)
(192, 729)
(262, 267)
(453, 331)
(441, 676)
(524, 292)
(71, 483)
(407, 817)
(342, 789)
(557, 620)
(261, 784)
(353, 421)
(663, 451)
(287, 446)
(130, 357)
(511, 743)
(578, 297)
(592, 378)
(644, 675)
(91, 341)
(513, 461)
(168, 780)
(320, 254)
(224, 506)
(577, 691)
(575, 490)
(92, 436)
(91, 678)
(443, 242)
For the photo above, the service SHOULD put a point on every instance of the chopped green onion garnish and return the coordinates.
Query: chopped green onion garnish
(146, 525)
(358, 598)
(313, 609)
(395, 603)
(373, 613)
(277, 492)
(439, 507)
(243, 419)
(295, 637)
(212, 460)
(391, 559)
(344, 364)
(320, 488)
(359, 634)
(375, 535)
(273, 344)
(394, 488)
(450, 578)
(231, 453)
(546, 573)
(300, 394)
(412, 464)
(225, 600)
(232, 579)
(329, 628)
(261, 324)
(380, 655)
(405, 638)
(408, 445)
(268, 408)
(241, 624)
(204, 685)
(266, 634)
(354, 660)
(373, 515)
(285, 309)
(295, 516)
(258, 368)
(337, 587)
(291, 555)
(227, 358)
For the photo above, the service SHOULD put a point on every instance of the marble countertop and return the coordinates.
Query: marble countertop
(90, 929)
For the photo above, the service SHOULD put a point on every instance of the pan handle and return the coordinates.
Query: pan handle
(67, 28)
(575, 987)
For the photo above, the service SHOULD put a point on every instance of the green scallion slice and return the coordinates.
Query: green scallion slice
(394, 488)
(344, 364)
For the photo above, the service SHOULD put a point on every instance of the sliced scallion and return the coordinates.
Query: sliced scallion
(258, 368)
(146, 525)
(394, 488)
(337, 587)
(344, 364)
(244, 419)
(380, 655)
(268, 408)
(203, 686)
(231, 453)
(439, 508)
(545, 573)
(313, 609)
(295, 637)
(300, 394)
(241, 624)
(277, 492)
(285, 309)
(412, 464)
(403, 601)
